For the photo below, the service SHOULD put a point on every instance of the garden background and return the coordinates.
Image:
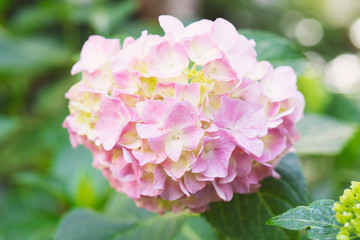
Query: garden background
(42, 177)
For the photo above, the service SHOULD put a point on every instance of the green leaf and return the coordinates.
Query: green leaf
(27, 213)
(83, 184)
(196, 228)
(244, 217)
(318, 216)
(82, 224)
(122, 220)
(8, 125)
(322, 135)
(277, 50)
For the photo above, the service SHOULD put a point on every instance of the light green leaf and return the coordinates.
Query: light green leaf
(196, 228)
(322, 135)
(277, 50)
(83, 184)
(121, 220)
(318, 216)
(245, 215)
(8, 125)
(81, 224)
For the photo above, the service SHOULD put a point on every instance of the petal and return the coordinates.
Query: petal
(172, 190)
(220, 70)
(167, 60)
(127, 82)
(129, 137)
(201, 49)
(281, 84)
(149, 130)
(113, 117)
(225, 33)
(252, 145)
(179, 118)
(214, 158)
(183, 164)
(224, 191)
(173, 148)
(188, 92)
(191, 137)
(192, 184)
(247, 118)
(274, 144)
(157, 144)
(96, 52)
(172, 26)
(159, 178)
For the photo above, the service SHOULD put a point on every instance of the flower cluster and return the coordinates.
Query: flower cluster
(348, 212)
(185, 119)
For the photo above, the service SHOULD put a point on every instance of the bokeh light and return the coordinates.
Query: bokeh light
(355, 33)
(309, 32)
(342, 75)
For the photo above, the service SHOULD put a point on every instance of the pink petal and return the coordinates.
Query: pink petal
(275, 143)
(224, 33)
(231, 172)
(173, 148)
(113, 117)
(224, 191)
(191, 137)
(172, 26)
(192, 184)
(159, 178)
(127, 82)
(201, 49)
(179, 168)
(179, 118)
(220, 70)
(172, 190)
(167, 60)
(198, 28)
(96, 52)
(281, 84)
(188, 92)
(157, 144)
(214, 157)
(246, 118)
(157, 108)
(251, 145)
(129, 138)
(149, 130)
(165, 89)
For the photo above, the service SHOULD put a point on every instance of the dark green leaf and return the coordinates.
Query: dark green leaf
(244, 217)
(277, 50)
(318, 216)
(322, 135)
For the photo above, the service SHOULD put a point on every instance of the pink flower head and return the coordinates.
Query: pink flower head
(185, 119)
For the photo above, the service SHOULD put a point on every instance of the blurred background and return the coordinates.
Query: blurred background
(42, 177)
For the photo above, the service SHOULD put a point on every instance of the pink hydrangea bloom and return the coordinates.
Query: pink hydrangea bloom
(186, 119)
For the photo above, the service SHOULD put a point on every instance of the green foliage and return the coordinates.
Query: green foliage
(277, 50)
(129, 223)
(322, 135)
(244, 217)
(42, 178)
(318, 217)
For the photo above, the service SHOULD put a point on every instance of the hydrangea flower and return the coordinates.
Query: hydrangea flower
(348, 212)
(185, 119)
